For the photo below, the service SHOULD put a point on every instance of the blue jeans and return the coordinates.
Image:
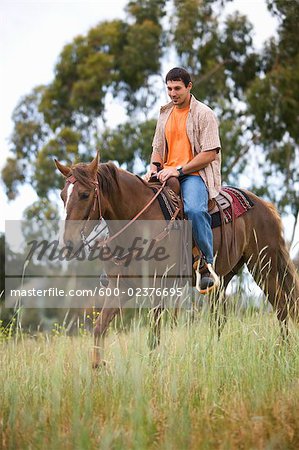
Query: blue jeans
(195, 197)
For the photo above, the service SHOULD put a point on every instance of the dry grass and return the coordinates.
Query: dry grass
(193, 392)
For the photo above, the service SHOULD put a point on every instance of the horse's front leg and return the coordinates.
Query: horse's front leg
(100, 328)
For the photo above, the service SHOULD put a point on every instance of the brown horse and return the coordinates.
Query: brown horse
(255, 238)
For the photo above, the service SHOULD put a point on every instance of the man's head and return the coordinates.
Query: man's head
(178, 74)
(179, 85)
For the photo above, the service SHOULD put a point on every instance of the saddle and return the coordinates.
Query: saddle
(169, 199)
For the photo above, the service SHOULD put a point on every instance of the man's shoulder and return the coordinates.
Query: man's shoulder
(166, 107)
(200, 108)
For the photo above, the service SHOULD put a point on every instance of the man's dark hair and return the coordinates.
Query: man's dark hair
(178, 74)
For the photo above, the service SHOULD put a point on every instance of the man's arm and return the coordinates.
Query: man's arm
(156, 157)
(200, 161)
(157, 145)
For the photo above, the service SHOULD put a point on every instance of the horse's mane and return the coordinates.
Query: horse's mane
(108, 176)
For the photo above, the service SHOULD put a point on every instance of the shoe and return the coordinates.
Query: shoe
(207, 280)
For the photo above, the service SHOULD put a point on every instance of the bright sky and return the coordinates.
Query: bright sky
(33, 33)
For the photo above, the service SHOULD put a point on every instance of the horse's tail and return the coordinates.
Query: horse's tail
(287, 275)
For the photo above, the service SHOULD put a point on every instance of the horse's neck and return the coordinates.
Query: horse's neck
(130, 199)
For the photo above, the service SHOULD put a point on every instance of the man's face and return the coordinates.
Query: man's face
(179, 93)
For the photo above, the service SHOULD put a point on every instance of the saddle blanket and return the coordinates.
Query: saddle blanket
(233, 202)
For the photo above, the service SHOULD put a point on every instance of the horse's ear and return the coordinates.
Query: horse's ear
(63, 169)
(93, 166)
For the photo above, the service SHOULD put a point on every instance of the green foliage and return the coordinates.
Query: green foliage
(224, 61)
(65, 146)
(30, 130)
(82, 74)
(236, 49)
(108, 58)
(273, 100)
(235, 157)
(142, 39)
(12, 176)
(127, 141)
(40, 211)
(277, 113)
(189, 24)
(288, 15)
(143, 10)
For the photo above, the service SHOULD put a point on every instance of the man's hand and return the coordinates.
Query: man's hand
(149, 174)
(164, 174)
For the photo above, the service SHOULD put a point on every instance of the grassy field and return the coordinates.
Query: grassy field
(193, 392)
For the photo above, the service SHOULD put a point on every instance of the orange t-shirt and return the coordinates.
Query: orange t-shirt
(179, 146)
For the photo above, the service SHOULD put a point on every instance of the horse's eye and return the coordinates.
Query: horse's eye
(83, 195)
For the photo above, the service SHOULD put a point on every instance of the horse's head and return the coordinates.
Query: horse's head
(81, 198)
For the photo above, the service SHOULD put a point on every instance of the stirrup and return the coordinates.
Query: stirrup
(198, 263)
(198, 273)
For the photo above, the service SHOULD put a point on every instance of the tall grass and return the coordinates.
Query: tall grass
(192, 392)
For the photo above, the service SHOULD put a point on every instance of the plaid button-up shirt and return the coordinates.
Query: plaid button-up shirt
(203, 134)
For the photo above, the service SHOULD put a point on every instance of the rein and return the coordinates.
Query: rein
(135, 217)
(72, 179)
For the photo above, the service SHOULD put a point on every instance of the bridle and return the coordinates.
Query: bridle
(96, 200)
(72, 179)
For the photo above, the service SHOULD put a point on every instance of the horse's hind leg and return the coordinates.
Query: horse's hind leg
(264, 271)
(101, 326)
(218, 303)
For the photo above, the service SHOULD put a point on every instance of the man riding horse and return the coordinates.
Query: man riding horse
(187, 145)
